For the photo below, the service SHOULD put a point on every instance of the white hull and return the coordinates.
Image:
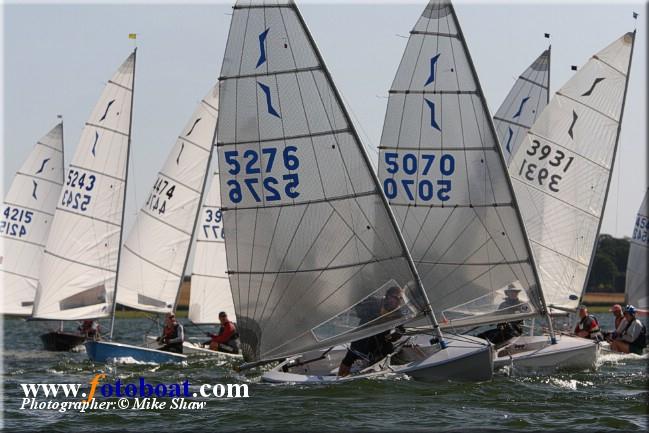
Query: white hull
(536, 353)
(466, 359)
(192, 348)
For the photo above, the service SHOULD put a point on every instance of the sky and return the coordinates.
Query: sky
(57, 58)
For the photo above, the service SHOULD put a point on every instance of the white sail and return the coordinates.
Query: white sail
(210, 290)
(523, 104)
(155, 253)
(561, 171)
(445, 177)
(27, 213)
(77, 277)
(309, 236)
(637, 284)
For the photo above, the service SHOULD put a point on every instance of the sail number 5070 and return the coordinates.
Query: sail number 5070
(418, 179)
(266, 187)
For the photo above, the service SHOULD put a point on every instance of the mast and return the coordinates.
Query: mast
(428, 310)
(198, 212)
(608, 183)
(121, 228)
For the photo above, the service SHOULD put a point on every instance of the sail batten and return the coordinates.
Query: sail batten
(82, 251)
(562, 171)
(26, 219)
(155, 253)
(443, 172)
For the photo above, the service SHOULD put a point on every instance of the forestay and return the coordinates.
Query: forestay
(210, 290)
(561, 172)
(445, 177)
(77, 278)
(27, 213)
(636, 268)
(156, 250)
(309, 238)
(523, 104)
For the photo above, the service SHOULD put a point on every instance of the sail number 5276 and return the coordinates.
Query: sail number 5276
(266, 187)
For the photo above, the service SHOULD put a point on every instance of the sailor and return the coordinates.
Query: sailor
(227, 340)
(173, 335)
(505, 331)
(620, 322)
(373, 349)
(587, 326)
(633, 338)
(89, 328)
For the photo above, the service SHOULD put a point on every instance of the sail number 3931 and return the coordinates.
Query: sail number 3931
(251, 163)
(547, 176)
(423, 179)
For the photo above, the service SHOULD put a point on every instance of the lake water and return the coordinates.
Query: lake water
(613, 398)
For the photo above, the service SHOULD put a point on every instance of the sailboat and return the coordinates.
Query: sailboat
(210, 289)
(77, 275)
(446, 177)
(156, 251)
(561, 174)
(311, 241)
(637, 284)
(27, 213)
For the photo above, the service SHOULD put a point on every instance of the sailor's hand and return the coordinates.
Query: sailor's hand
(209, 334)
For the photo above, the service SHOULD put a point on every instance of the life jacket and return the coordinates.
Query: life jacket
(641, 341)
(171, 333)
(593, 333)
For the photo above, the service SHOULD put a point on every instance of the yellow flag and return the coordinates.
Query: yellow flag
(132, 35)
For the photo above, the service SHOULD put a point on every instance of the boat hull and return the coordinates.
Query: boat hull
(465, 359)
(100, 351)
(191, 348)
(62, 341)
(536, 353)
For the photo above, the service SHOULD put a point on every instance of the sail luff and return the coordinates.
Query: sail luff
(428, 311)
(530, 255)
(121, 228)
(608, 183)
(198, 211)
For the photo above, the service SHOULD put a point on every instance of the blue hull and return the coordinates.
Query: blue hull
(102, 351)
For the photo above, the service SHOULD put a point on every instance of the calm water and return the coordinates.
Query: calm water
(615, 397)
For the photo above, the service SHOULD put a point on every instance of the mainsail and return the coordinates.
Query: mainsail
(637, 284)
(156, 250)
(77, 277)
(562, 169)
(27, 213)
(445, 177)
(210, 290)
(310, 240)
(523, 104)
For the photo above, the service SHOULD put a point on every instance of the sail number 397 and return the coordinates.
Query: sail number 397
(250, 164)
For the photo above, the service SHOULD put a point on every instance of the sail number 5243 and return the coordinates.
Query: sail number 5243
(260, 187)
